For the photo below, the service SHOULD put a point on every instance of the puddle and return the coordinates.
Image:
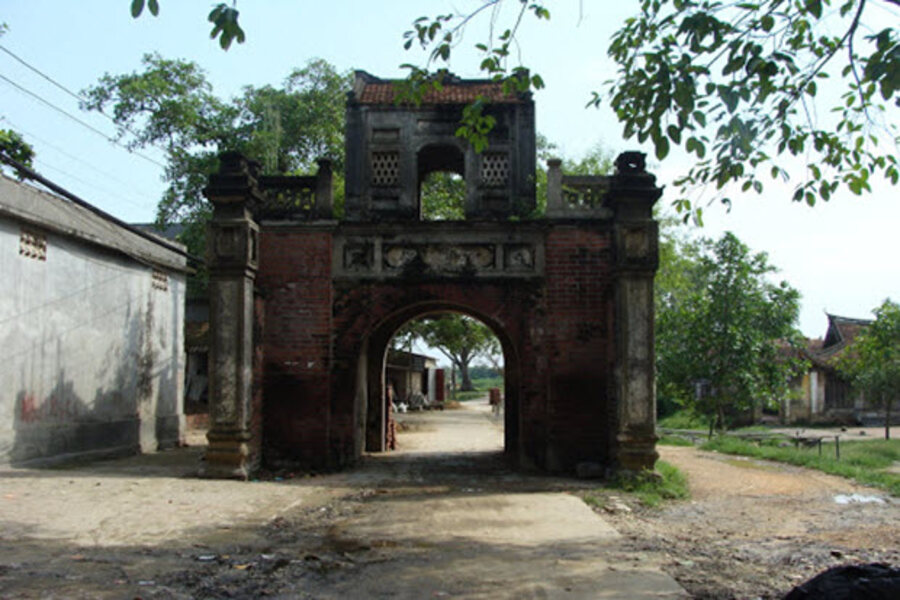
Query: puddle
(858, 499)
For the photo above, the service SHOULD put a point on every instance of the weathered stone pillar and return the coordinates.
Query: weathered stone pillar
(232, 252)
(324, 190)
(555, 207)
(633, 193)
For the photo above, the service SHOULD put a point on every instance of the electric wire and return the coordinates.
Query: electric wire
(77, 95)
(98, 188)
(44, 75)
(134, 202)
(79, 121)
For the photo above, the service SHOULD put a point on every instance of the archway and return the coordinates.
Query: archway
(301, 302)
(374, 381)
(441, 182)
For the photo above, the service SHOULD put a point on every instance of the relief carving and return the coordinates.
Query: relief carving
(441, 258)
(358, 257)
(519, 258)
(381, 258)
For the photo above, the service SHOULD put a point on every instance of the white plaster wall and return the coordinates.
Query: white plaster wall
(91, 355)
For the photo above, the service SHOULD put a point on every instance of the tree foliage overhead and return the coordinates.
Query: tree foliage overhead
(224, 20)
(460, 338)
(723, 324)
(737, 84)
(170, 104)
(14, 146)
(872, 361)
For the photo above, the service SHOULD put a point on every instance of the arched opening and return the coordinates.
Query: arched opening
(441, 184)
(401, 375)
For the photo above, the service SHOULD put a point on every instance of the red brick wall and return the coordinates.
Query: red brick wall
(556, 331)
(295, 280)
(580, 343)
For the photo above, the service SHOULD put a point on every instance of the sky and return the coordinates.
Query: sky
(842, 255)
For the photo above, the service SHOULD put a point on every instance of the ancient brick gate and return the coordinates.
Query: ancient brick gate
(303, 306)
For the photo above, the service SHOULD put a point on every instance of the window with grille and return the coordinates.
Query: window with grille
(33, 245)
(385, 168)
(495, 169)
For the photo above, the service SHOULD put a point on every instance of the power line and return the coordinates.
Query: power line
(98, 188)
(31, 174)
(77, 95)
(44, 75)
(139, 203)
(79, 121)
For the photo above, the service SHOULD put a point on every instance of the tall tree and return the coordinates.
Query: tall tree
(171, 105)
(735, 84)
(872, 361)
(677, 278)
(460, 338)
(725, 327)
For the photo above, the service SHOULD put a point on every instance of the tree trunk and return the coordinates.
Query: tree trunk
(720, 416)
(464, 374)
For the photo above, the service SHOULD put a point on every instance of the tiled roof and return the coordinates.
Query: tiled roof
(843, 330)
(372, 90)
(841, 333)
(385, 93)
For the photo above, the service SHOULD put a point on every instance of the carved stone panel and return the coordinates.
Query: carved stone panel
(440, 258)
(439, 255)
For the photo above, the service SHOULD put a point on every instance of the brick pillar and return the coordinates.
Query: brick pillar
(232, 246)
(633, 193)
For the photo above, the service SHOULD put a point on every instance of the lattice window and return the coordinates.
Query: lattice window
(160, 280)
(495, 169)
(385, 168)
(33, 245)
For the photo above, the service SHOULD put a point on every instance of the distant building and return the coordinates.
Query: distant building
(91, 332)
(414, 378)
(822, 393)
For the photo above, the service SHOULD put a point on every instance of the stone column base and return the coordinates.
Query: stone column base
(229, 456)
(636, 452)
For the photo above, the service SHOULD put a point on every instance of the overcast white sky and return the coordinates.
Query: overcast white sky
(842, 256)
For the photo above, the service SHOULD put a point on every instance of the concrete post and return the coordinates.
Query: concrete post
(232, 254)
(555, 206)
(324, 193)
(633, 193)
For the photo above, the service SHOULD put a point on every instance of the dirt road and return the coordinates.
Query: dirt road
(442, 517)
(754, 529)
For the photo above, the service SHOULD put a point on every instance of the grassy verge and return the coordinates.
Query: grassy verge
(481, 385)
(651, 489)
(674, 440)
(863, 462)
(684, 419)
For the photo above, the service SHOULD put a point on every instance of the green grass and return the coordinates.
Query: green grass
(683, 419)
(671, 484)
(674, 440)
(863, 462)
(482, 385)
(651, 489)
